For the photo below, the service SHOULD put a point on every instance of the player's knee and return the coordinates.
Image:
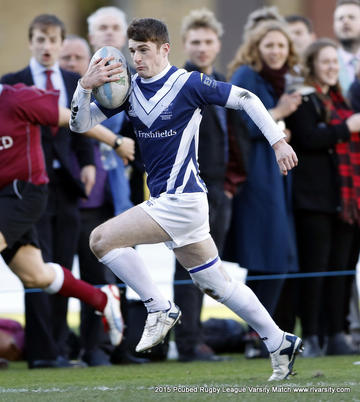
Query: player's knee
(218, 291)
(96, 241)
(214, 282)
(99, 241)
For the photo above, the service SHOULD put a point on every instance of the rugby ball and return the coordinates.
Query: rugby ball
(113, 94)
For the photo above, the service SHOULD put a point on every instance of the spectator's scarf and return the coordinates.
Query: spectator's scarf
(348, 155)
(275, 77)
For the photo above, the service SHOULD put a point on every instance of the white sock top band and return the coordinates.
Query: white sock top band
(56, 285)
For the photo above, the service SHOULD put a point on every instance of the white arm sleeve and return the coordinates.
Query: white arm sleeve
(84, 115)
(240, 98)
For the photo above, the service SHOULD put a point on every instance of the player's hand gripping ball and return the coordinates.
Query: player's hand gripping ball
(113, 94)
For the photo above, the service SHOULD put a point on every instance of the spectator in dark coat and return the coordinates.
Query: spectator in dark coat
(325, 133)
(262, 224)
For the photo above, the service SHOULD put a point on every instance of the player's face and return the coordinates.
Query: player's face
(45, 46)
(326, 66)
(347, 22)
(274, 49)
(201, 46)
(74, 56)
(149, 59)
(300, 35)
(107, 31)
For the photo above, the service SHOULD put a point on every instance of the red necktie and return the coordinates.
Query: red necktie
(49, 84)
(50, 87)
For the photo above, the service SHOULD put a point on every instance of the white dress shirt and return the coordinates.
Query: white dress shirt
(348, 64)
(39, 77)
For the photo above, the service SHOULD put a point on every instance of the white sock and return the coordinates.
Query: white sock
(57, 283)
(246, 305)
(213, 279)
(127, 265)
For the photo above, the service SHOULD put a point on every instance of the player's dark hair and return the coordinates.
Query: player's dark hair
(44, 22)
(291, 19)
(148, 30)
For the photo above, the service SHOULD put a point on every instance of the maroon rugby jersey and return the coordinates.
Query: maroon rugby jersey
(22, 110)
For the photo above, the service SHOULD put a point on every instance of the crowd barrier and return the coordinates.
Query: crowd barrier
(248, 278)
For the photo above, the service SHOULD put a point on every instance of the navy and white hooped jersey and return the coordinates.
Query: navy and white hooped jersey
(166, 113)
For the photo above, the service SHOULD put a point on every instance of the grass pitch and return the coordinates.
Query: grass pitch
(320, 379)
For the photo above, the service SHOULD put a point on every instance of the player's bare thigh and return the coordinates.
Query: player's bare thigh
(195, 254)
(3, 244)
(128, 229)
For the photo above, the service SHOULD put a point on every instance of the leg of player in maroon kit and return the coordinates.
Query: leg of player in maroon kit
(29, 266)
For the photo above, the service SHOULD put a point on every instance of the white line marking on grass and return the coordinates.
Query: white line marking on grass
(46, 390)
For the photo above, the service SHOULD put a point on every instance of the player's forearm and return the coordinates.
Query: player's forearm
(64, 116)
(101, 133)
(84, 114)
(241, 98)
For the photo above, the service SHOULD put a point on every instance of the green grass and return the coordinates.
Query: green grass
(141, 383)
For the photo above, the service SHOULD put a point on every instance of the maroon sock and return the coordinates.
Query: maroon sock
(83, 291)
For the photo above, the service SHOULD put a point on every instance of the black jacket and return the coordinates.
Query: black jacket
(316, 184)
(64, 143)
(211, 155)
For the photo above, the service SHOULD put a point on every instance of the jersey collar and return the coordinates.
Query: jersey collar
(156, 77)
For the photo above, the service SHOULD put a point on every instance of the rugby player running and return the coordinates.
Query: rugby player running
(165, 110)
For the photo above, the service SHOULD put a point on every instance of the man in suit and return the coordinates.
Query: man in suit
(347, 32)
(46, 329)
(201, 33)
(107, 27)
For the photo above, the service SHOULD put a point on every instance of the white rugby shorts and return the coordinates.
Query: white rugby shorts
(185, 217)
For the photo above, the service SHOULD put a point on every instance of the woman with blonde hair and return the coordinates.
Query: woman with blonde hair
(262, 236)
(325, 134)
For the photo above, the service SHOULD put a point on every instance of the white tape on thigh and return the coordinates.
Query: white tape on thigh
(214, 281)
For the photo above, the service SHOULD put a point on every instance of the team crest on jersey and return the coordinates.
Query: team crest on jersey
(167, 112)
